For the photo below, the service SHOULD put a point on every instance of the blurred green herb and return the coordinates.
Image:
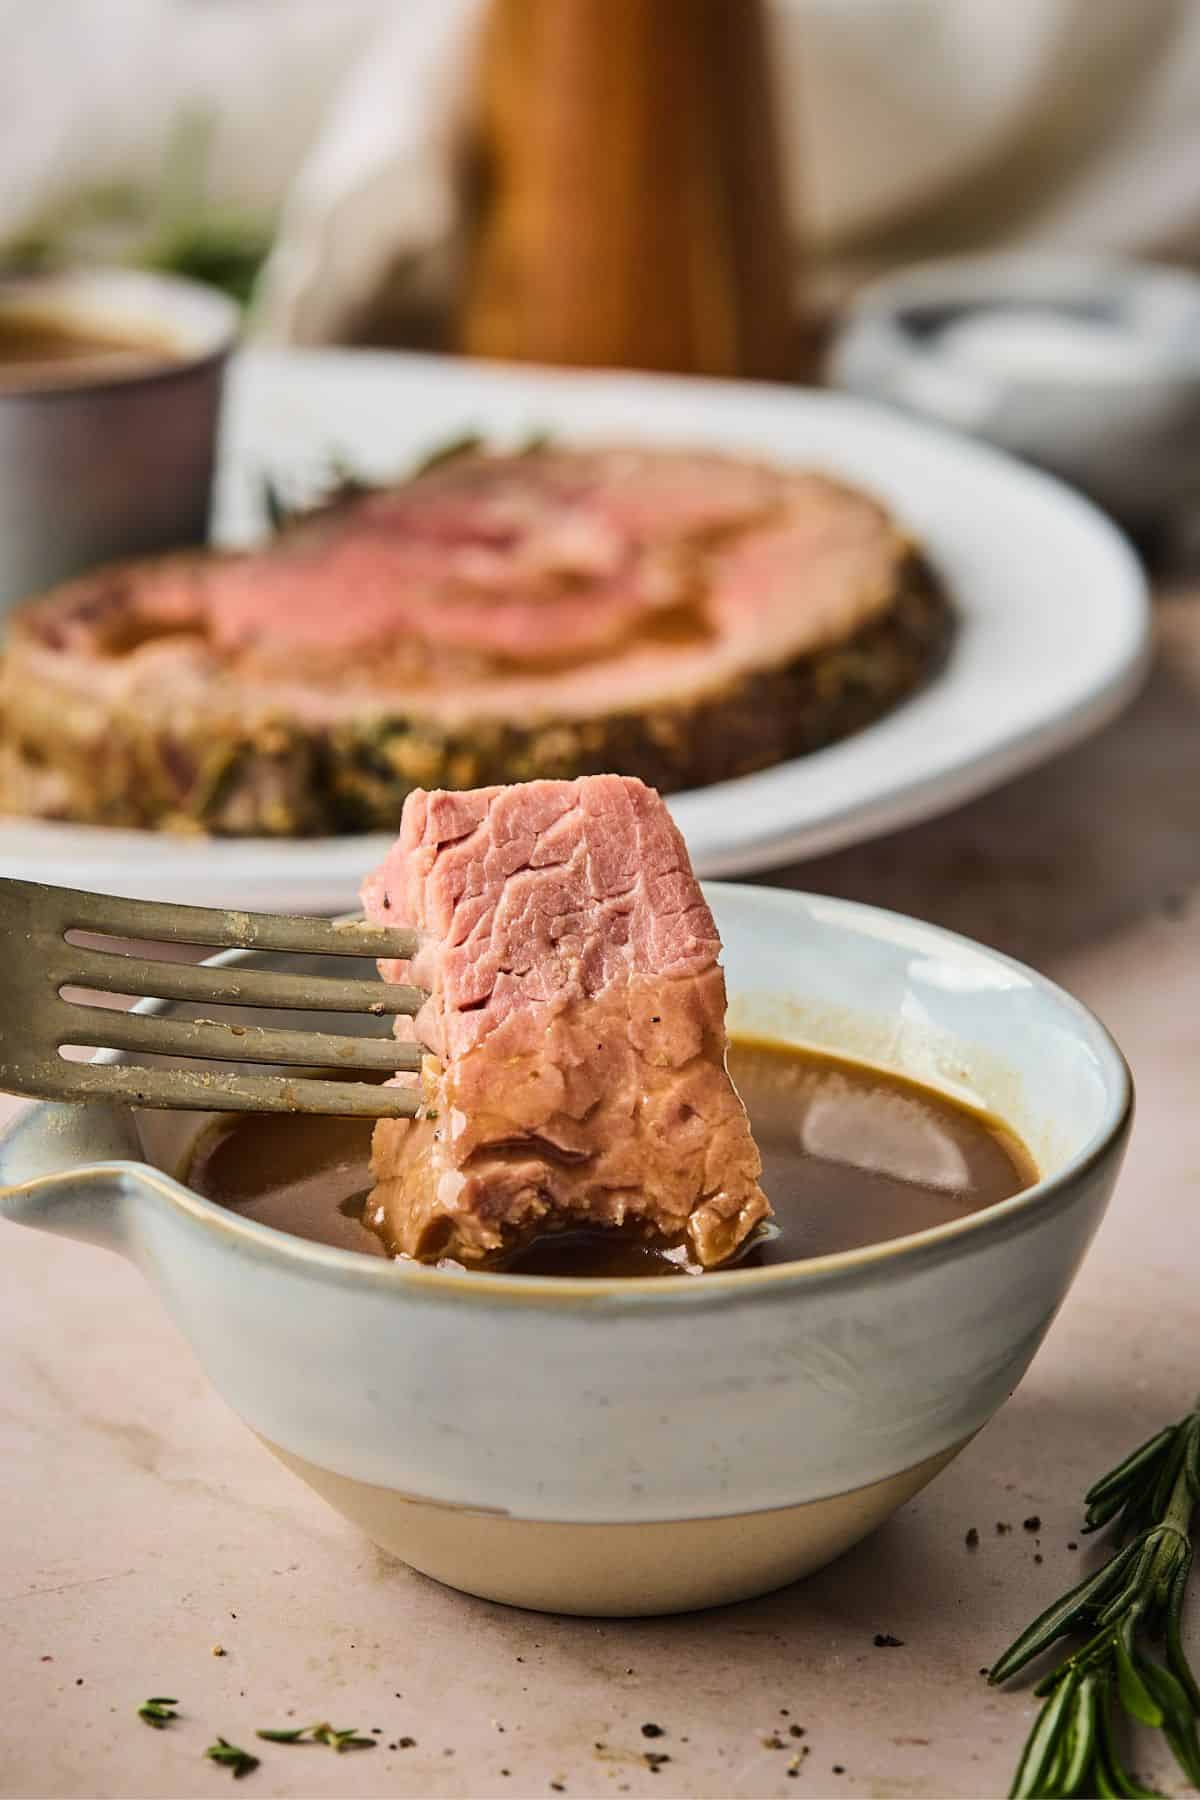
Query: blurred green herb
(346, 483)
(346, 479)
(158, 1711)
(465, 443)
(230, 1756)
(1073, 1748)
(169, 224)
(227, 252)
(191, 236)
(279, 513)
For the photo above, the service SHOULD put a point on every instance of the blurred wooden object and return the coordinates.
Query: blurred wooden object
(630, 210)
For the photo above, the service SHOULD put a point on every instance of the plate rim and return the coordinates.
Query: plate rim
(321, 865)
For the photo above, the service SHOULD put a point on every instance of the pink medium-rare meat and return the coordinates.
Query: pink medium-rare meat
(576, 1028)
(536, 559)
(675, 615)
(496, 567)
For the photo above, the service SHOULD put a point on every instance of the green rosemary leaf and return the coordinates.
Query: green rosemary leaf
(321, 1733)
(1149, 1499)
(1170, 1697)
(1133, 1464)
(1136, 1697)
(1112, 1777)
(231, 1756)
(1053, 1780)
(1176, 1654)
(1129, 1786)
(1193, 1462)
(1101, 1511)
(1171, 1464)
(1081, 1740)
(274, 505)
(1060, 1778)
(1104, 1787)
(342, 1740)
(1180, 1724)
(465, 443)
(1141, 1554)
(1042, 1747)
(158, 1711)
(346, 478)
(1065, 1615)
(1185, 1750)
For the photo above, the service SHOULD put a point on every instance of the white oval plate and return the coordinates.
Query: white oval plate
(1054, 620)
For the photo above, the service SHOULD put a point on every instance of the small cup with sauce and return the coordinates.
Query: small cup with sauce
(110, 389)
(611, 1444)
(1088, 365)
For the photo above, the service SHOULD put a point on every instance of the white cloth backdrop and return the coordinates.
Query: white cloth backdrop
(911, 127)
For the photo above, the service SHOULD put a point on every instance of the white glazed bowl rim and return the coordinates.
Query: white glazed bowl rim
(999, 1220)
(206, 320)
(1143, 292)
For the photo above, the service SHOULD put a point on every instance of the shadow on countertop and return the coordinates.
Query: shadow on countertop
(1066, 855)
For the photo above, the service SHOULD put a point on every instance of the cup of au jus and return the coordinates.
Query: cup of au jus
(110, 389)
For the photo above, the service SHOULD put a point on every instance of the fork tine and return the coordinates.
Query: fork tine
(220, 1090)
(100, 1027)
(112, 973)
(150, 919)
(36, 1020)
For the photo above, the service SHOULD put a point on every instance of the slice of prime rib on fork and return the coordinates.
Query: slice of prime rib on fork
(575, 1024)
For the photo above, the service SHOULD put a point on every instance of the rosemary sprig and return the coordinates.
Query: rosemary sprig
(278, 512)
(323, 1733)
(473, 443)
(158, 1711)
(347, 483)
(230, 1756)
(1073, 1748)
(463, 443)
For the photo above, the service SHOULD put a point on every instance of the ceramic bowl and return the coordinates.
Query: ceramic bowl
(620, 1447)
(1086, 364)
(96, 465)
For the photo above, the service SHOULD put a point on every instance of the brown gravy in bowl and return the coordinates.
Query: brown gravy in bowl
(851, 1156)
(40, 348)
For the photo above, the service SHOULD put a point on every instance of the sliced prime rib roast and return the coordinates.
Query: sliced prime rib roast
(678, 616)
(576, 1025)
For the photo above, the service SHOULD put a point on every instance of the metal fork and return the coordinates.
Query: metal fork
(37, 961)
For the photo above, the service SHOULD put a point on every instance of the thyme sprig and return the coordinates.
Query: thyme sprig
(158, 1711)
(231, 1756)
(322, 1733)
(1074, 1747)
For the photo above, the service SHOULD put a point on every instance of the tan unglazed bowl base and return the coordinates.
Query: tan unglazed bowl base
(615, 1571)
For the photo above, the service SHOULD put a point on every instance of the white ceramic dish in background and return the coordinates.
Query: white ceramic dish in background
(644, 1446)
(1052, 602)
(1087, 364)
(96, 464)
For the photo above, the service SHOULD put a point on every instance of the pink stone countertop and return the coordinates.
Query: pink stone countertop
(141, 1524)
